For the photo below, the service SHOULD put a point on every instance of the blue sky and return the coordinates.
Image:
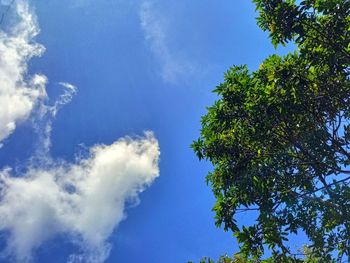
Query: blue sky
(97, 112)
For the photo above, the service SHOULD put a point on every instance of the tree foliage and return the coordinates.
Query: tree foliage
(238, 258)
(279, 137)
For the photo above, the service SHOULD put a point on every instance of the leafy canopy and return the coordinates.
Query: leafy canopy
(309, 258)
(279, 137)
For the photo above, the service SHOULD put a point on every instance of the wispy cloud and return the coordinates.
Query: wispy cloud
(173, 65)
(42, 121)
(83, 199)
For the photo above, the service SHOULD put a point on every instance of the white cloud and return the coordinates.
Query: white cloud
(42, 121)
(173, 65)
(19, 94)
(69, 91)
(83, 200)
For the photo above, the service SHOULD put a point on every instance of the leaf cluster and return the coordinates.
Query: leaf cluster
(238, 258)
(279, 137)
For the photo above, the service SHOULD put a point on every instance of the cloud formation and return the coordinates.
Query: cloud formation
(83, 200)
(19, 94)
(173, 65)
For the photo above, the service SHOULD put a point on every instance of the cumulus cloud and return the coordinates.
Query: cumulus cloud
(83, 200)
(19, 94)
(173, 65)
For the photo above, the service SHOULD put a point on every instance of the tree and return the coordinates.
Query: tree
(279, 137)
(309, 258)
(227, 259)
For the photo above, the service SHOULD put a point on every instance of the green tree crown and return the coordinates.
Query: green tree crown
(279, 137)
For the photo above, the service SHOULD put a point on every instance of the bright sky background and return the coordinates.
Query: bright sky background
(86, 106)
